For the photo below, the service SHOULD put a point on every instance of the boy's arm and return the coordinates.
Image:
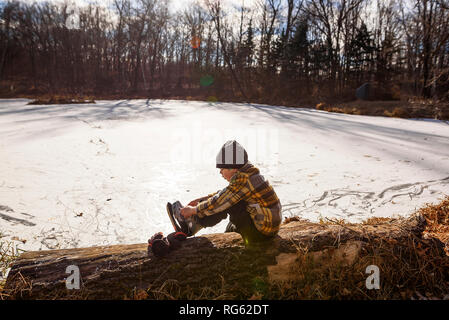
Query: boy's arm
(208, 196)
(222, 200)
(196, 201)
(212, 194)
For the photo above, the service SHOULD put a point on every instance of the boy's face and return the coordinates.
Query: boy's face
(227, 173)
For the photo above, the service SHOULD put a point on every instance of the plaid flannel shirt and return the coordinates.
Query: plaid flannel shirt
(249, 185)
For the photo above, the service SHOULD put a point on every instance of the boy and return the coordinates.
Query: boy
(253, 207)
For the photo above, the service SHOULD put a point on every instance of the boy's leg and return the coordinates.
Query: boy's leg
(209, 221)
(243, 224)
(240, 222)
(239, 207)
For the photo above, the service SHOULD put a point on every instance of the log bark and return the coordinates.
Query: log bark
(210, 261)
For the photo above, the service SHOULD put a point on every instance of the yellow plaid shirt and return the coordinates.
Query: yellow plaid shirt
(249, 185)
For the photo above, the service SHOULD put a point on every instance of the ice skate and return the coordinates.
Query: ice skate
(188, 226)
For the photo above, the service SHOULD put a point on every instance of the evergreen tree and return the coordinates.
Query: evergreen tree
(243, 53)
(360, 53)
(248, 45)
(276, 56)
(298, 49)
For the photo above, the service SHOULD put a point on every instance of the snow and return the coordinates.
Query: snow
(97, 174)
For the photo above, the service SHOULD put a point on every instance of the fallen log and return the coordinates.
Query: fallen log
(204, 264)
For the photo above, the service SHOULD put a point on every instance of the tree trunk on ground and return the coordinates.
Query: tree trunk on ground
(209, 261)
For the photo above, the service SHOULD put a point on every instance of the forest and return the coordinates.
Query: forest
(267, 51)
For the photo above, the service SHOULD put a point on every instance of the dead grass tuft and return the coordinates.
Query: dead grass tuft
(414, 269)
(377, 220)
(8, 253)
(413, 108)
(437, 218)
(62, 99)
(398, 112)
(291, 219)
(172, 290)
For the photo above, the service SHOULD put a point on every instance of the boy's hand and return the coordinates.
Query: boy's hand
(188, 211)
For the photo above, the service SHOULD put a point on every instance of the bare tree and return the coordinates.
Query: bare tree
(214, 8)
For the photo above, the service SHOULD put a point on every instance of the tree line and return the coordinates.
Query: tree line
(274, 51)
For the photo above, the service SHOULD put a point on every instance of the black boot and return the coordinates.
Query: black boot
(189, 226)
(158, 245)
(175, 238)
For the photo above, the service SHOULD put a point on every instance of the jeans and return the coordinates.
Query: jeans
(239, 221)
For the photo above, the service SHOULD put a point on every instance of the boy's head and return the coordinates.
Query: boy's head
(227, 173)
(231, 157)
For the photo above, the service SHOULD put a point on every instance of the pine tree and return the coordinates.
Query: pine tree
(360, 52)
(249, 44)
(298, 49)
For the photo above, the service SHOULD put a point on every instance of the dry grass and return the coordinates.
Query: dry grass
(377, 220)
(372, 108)
(8, 253)
(62, 99)
(415, 269)
(172, 290)
(398, 112)
(412, 108)
(437, 218)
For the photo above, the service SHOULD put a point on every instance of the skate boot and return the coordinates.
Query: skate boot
(175, 239)
(158, 245)
(188, 226)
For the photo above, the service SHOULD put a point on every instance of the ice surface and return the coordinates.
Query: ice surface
(83, 175)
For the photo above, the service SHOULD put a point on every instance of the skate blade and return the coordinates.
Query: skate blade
(173, 220)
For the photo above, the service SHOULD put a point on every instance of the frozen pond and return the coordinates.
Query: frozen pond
(97, 174)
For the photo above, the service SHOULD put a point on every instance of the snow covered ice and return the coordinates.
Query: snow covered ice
(96, 174)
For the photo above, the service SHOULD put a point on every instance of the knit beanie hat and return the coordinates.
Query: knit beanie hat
(232, 156)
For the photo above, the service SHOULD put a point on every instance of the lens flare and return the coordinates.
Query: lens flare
(195, 42)
(206, 80)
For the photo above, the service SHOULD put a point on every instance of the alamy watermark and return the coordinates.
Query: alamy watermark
(73, 280)
(72, 17)
(199, 145)
(373, 280)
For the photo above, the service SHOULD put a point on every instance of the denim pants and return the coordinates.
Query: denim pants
(239, 221)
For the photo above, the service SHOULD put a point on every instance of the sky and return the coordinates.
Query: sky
(228, 6)
(175, 5)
